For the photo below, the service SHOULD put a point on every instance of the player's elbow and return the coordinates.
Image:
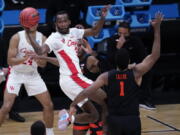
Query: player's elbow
(155, 57)
(94, 31)
(10, 62)
(158, 56)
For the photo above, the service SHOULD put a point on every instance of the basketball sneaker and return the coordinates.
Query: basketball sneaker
(64, 120)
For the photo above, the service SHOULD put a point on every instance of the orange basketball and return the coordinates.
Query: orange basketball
(29, 17)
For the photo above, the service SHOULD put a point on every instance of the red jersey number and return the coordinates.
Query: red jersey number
(121, 88)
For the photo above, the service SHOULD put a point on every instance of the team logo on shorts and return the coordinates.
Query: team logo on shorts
(11, 88)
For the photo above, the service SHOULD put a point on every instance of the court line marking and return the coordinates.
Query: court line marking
(159, 131)
(175, 129)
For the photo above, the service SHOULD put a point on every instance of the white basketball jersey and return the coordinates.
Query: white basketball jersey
(65, 48)
(29, 65)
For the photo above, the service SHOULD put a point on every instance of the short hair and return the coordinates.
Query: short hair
(124, 25)
(122, 58)
(38, 128)
(60, 13)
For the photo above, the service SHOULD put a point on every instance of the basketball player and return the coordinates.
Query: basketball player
(91, 68)
(24, 69)
(64, 44)
(123, 87)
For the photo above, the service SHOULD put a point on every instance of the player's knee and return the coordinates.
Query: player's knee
(6, 108)
(51, 106)
(48, 106)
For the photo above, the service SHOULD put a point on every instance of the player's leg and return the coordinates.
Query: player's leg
(89, 115)
(94, 128)
(99, 96)
(97, 127)
(12, 89)
(132, 125)
(75, 85)
(7, 104)
(14, 114)
(35, 86)
(115, 125)
(48, 115)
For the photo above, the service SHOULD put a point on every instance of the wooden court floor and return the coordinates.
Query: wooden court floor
(165, 120)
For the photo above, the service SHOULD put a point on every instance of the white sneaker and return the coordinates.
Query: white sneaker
(147, 106)
(63, 121)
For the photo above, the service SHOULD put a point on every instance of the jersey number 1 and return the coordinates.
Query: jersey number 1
(121, 88)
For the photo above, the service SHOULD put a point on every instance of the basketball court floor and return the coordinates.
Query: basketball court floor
(165, 120)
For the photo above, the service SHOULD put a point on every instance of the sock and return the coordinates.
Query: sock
(49, 131)
(72, 119)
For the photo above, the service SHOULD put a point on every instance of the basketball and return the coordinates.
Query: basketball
(29, 17)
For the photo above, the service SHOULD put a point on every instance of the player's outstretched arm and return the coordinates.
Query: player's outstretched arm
(96, 29)
(143, 67)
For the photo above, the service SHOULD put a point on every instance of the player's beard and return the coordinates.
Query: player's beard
(63, 30)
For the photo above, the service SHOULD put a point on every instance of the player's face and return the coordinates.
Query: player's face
(123, 31)
(34, 28)
(63, 24)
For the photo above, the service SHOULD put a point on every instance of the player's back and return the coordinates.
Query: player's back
(122, 93)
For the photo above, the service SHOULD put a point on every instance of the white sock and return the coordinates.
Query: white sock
(49, 131)
(72, 119)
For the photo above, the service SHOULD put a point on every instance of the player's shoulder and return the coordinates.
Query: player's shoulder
(15, 36)
(40, 33)
(54, 35)
(74, 30)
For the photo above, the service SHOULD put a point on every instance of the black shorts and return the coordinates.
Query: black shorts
(124, 125)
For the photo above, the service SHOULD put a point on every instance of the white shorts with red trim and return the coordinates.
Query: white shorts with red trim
(73, 85)
(33, 83)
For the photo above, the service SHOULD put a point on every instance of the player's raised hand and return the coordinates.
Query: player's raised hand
(158, 19)
(104, 11)
(72, 112)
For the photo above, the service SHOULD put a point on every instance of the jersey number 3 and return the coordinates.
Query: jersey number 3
(121, 88)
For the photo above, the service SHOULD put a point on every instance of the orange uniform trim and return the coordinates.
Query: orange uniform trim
(80, 127)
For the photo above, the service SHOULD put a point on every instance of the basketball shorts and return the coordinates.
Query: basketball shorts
(32, 81)
(73, 85)
(126, 125)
